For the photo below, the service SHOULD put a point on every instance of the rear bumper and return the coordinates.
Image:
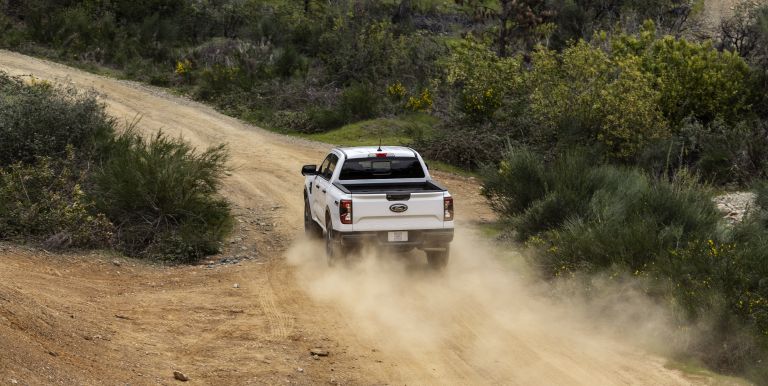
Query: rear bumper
(427, 239)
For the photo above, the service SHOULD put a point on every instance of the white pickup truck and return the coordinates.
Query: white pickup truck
(381, 196)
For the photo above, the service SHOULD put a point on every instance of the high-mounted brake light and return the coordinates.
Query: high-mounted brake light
(381, 155)
(345, 211)
(448, 208)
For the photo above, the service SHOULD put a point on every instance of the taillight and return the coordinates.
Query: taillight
(448, 208)
(345, 211)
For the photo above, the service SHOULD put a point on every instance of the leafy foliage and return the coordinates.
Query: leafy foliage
(482, 78)
(66, 179)
(516, 20)
(694, 79)
(579, 19)
(628, 97)
(452, 145)
(161, 195)
(587, 218)
(584, 96)
(45, 199)
(38, 120)
(249, 57)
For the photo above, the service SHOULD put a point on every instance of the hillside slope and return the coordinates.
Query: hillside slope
(98, 318)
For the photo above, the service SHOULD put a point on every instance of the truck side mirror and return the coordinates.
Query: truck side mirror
(309, 170)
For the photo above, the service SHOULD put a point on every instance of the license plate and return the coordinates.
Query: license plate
(397, 236)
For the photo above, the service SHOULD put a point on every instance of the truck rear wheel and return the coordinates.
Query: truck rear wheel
(334, 252)
(311, 229)
(438, 260)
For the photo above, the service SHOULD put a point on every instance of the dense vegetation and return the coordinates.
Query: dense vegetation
(602, 127)
(581, 216)
(68, 179)
(632, 80)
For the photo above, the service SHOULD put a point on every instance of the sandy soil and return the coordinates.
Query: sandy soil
(86, 318)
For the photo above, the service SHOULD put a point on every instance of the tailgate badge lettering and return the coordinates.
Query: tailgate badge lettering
(398, 208)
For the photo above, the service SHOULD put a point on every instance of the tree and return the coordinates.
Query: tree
(740, 32)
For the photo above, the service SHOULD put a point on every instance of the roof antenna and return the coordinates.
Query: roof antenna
(379, 149)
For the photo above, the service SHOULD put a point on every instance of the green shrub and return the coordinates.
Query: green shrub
(359, 102)
(590, 207)
(295, 121)
(751, 246)
(714, 81)
(584, 217)
(724, 284)
(289, 63)
(733, 153)
(321, 120)
(630, 98)
(761, 199)
(215, 81)
(11, 35)
(482, 78)
(453, 145)
(363, 48)
(721, 153)
(586, 97)
(45, 199)
(48, 136)
(580, 19)
(635, 223)
(553, 193)
(503, 188)
(696, 80)
(39, 120)
(144, 70)
(161, 195)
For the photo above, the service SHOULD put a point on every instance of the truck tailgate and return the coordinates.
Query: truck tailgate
(372, 212)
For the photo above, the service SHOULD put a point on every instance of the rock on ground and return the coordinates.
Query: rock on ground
(180, 376)
(735, 205)
(319, 352)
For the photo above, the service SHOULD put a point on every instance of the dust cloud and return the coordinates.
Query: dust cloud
(487, 319)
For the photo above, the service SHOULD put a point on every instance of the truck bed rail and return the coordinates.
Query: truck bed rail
(390, 188)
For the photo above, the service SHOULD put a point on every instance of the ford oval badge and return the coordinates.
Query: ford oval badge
(398, 208)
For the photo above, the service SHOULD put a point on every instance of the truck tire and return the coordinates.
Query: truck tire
(438, 260)
(311, 229)
(333, 252)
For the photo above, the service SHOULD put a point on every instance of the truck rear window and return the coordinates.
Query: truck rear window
(381, 168)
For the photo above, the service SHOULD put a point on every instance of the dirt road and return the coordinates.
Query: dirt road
(100, 318)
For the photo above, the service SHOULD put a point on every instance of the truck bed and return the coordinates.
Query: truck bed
(390, 188)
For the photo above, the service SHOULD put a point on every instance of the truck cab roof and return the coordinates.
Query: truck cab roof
(372, 151)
